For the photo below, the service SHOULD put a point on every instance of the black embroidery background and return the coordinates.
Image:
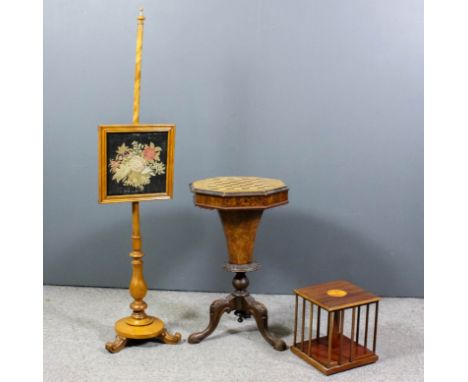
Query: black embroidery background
(158, 182)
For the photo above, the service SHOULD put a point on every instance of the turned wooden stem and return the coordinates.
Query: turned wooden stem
(138, 286)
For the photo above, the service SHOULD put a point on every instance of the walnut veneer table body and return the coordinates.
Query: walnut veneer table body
(240, 202)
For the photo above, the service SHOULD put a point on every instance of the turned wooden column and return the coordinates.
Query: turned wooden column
(138, 286)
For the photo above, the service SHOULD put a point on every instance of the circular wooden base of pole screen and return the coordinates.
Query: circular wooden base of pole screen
(335, 326)
(143, 329)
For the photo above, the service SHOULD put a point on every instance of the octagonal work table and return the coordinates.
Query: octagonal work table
(240, 202)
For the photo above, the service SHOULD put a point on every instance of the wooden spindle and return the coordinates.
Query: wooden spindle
(374, 343)
(303, 324)
(353, 323)
(367, 325)
(331, 316)
(358, 324)
(310, 327)
(295, 321)
(340, 354)
(318, 324)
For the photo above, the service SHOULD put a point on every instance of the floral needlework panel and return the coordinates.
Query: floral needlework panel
(136, 163)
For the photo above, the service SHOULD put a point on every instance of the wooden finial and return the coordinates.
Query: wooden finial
(140, 14)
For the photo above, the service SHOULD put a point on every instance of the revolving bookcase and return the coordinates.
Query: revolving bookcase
(340, 344)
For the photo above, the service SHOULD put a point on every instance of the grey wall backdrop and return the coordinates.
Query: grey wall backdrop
(326, 95)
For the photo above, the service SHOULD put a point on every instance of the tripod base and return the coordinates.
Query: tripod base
(244, 306)
(143, 329)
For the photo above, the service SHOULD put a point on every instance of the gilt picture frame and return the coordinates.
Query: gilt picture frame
(136, 162)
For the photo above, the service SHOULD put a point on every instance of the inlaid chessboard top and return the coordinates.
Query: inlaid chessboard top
(336, 295)
(237, 186)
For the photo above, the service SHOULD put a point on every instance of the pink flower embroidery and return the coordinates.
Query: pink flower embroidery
(149, 153)
(114, 165)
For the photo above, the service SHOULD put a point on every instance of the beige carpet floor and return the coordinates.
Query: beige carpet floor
(78, 321)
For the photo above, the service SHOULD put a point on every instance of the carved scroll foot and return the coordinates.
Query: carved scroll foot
(260, 313)
(117, 345)
(170, 339)
(217, 308)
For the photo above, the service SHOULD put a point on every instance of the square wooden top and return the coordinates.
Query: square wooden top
(336, 295)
